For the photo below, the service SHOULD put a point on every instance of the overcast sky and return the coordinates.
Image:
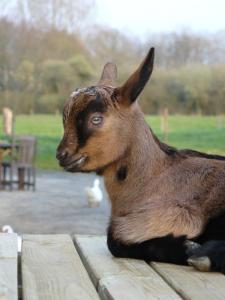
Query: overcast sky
(142, 16)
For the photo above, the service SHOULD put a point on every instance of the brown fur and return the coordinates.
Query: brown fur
(166, 191)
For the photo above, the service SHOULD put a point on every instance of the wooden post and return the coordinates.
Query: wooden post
(7, 120)
(21, 177)
(219, 121)
(164, 124)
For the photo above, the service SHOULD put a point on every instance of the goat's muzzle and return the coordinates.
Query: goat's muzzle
(70, 163)
(61, 155)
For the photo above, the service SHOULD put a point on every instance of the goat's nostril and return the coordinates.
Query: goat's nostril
(61, 155)
(64, 154)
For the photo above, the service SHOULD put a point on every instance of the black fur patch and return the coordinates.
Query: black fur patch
(169, 150)
(185, 153)
(193, 153)
(83, 132)
(214, 230)
(165, 249)
(121, 174)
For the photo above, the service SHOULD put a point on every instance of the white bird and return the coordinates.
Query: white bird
(8, 229)
(94, 194)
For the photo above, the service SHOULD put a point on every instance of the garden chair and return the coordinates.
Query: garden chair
(20, 169)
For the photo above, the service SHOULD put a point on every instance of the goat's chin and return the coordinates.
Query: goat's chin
(72, 170)
(80, 170)
(85, 166)
(75, 165)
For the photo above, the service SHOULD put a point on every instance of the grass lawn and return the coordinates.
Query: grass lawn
(195, 132)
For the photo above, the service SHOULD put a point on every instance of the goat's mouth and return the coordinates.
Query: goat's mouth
(75, 164)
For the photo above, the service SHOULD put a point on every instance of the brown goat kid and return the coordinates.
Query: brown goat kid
(161, 197)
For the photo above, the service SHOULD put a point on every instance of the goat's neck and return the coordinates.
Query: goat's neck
(141, 162)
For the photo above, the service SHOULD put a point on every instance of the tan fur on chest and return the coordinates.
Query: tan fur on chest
(153, 222)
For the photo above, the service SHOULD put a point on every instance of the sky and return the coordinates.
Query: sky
(140, 17)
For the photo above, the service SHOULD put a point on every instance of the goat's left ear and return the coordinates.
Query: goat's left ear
(137, 81)
(109, 75)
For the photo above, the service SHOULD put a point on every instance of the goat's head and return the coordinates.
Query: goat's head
(98, 120)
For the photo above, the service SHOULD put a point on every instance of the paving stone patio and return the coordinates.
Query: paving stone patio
(58, 206)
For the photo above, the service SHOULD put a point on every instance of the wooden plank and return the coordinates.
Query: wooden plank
(8, 266)
(117, 278)
(133, 288)
(192, 284)
(52, 270)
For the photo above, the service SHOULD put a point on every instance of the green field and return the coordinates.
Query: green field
(196, 132)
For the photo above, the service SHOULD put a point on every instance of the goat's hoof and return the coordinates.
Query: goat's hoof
(191, 247)
(202, 263)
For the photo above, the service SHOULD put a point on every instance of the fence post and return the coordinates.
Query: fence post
(164, 124)
(7, 120)
(219, 119)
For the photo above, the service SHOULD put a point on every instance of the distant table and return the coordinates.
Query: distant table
(4, 148)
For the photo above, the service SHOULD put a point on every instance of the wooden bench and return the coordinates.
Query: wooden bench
(51, 267)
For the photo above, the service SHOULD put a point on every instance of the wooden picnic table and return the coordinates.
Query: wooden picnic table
(53, 267)
(5, 147)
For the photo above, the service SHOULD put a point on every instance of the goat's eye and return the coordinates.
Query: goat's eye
(97, 120)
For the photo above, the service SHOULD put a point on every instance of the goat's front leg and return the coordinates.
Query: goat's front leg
(209, 257)
(168, 249)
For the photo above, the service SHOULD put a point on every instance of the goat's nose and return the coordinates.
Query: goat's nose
(61, 155)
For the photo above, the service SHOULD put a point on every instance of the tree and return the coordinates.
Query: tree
(61, 14)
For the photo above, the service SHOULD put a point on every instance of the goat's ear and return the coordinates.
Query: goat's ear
(109, 75)
(137, 81)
